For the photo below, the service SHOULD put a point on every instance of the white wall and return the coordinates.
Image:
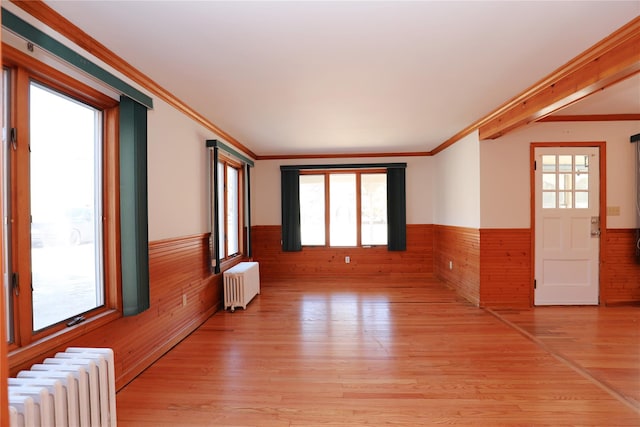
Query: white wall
(457, 184)
(178, 173)
(265, 186)
(505, 170)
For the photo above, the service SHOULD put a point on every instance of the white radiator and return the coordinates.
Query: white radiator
(73, 389)
(241, 284)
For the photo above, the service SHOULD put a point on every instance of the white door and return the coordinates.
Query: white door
(567, 225)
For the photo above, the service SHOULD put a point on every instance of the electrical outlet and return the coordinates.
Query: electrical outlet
(450, 265)
(184, 300)
(347, 259)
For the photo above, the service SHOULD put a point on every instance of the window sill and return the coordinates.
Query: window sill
(232, 262)
(23, 355)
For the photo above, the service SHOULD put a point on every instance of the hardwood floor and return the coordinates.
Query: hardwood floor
(405, 353)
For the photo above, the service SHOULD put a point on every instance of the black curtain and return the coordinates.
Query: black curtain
(396, 210)
(290, 183)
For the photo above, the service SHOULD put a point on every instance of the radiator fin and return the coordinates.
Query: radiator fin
(75, 388)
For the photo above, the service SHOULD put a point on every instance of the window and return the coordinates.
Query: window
(228, 209)
(565, 181)
(229, 205)
(351, 205)
(54, 192)
(344, 205)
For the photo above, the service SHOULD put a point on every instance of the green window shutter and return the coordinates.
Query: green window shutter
(396, 209)
(290, 183)
(134, 235)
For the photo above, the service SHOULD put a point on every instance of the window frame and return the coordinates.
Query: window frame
(24, 69)
(229, 162)
(218, 151)
(358, 172)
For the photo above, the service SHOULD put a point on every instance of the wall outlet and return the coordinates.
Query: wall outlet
(184, 300)
(450, 265)
(347, 259)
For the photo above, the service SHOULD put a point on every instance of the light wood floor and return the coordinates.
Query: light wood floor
(405, 353)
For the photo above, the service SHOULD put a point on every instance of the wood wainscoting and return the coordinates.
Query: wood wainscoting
(505, 267)
(457, 259)
(416, 261)
(183, 295)
(621, 272)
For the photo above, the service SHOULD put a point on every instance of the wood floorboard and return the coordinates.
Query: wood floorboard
(402, 352)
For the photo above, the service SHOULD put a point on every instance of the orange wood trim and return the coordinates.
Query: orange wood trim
(4, 363)
(611, 60)
(603, 224)
(602, 146)
(55, 79)
(48, 16)
(341, 156)
(590, 118)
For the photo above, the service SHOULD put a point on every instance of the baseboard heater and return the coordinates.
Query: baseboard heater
(75, 388)
(241, 284)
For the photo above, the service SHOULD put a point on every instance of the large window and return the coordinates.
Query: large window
(54, 192)
(352, 206)
(344, 205)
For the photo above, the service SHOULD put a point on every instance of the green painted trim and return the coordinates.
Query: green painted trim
(228, 149)
(27, 31)
(345, 166)
(134, 234)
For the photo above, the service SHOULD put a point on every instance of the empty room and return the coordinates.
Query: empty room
(306, 213)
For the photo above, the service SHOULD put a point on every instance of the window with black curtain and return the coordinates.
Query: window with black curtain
(292, 232)
(230, 210)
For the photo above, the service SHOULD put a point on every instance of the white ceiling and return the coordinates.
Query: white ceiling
(351, 77)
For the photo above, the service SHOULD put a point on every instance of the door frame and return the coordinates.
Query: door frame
(602, 146)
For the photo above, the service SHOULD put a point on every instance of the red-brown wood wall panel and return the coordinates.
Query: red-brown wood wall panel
(275, 264)
(177, 267)
(505, 267)
(461, 246)
(620, 270)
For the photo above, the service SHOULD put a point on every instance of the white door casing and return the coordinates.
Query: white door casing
(567, 225)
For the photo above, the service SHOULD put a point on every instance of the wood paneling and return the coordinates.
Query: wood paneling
(461, 247)
(178, 270)
(505, 267)
(385, 352)
(417, 260)
(621, 272)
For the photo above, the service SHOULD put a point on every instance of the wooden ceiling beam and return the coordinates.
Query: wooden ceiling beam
(591, 117)
(613, 59)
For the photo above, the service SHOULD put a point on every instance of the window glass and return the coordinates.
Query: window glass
(65, 194)
(221, 209)
(342, 210)
(312, 210)
(232, 211)
(373, 196)
(567, 186)
(6, 193)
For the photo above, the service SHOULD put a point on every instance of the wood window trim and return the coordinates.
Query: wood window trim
(231, 260)
(326, 173)
(24, 69)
